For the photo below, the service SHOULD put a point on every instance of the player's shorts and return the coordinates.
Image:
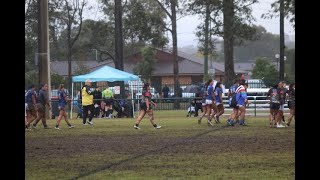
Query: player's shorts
(281, 108)
(291, 104)
(208, 101)
(274, 106)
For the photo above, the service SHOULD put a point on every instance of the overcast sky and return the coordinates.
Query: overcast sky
(187, 25)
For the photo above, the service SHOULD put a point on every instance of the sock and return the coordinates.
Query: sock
(137, 125)
(154, 125)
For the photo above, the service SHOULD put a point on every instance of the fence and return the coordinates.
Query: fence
(258, 106)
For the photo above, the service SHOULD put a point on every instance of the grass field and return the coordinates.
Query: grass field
(181, 149)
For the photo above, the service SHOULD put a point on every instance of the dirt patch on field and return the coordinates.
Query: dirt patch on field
(139, 146)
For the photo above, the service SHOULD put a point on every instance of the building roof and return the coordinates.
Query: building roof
(188, 64)
(61, 67)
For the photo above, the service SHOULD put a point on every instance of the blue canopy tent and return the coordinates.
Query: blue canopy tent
(105, 73)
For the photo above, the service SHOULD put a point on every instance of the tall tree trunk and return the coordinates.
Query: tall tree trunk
(175, 52)
(69, 57)
(228, 16)
(119, 41)
(118, 35)
(206, 42)
(281, 72)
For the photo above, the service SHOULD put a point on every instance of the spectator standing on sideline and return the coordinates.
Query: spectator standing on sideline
(43, 100)
(97, 96)
(165, 91)
(197, 102)
(107, 95)
(87, 103)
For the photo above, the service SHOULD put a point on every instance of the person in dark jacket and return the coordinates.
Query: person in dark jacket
(97, 97)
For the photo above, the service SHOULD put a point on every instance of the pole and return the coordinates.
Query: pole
(132, 102)
(43, 46)
(281, 72)
(96, 54)
(71, 100)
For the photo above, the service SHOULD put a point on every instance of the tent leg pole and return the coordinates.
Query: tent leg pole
(71, 100)
(132, 102)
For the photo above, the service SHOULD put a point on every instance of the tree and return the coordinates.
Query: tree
(263, 69)
(73, 17)
(96, 36)
(31, 34)
(290, 65)
(118, 34)
(204, 8)
(264, 45)
(56, 80)
(81, 69)
(235, 29)
(289, 11)
(143, 24)
(31, 77)
(173, 4)
(234, 26)
(146, 66)
(31, 31)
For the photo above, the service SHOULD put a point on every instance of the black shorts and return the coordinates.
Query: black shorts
(143, 106)
(236, 107)
(108, 102)
(291, 104)
(274, 106)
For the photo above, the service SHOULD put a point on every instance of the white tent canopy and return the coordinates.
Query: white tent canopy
(105, 73)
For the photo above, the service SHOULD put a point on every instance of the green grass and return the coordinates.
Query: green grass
(182, 149)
